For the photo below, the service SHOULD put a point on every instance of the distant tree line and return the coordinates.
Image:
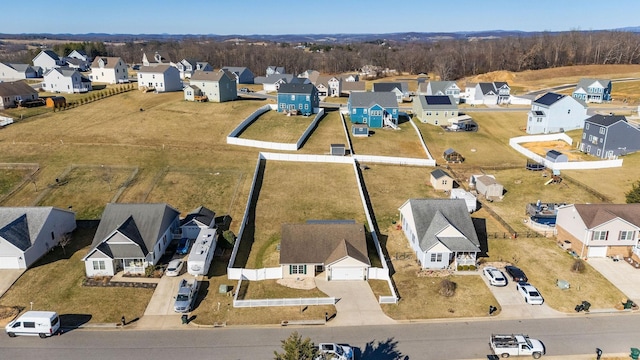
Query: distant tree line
(449, 59)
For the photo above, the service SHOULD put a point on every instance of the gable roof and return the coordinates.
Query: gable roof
(14, 88)
(200, 75)
(387, 86)
(368, 99)
(549, 99)
(23, 68)
(353, 86)
(110, 62)
(438, 173)
(597, 214)
(272, 79)
(606, 120)
(487, 88)
(296, 88)
(585, 83)
(155, 68)
(237, 69)
(276, 69)
(440, 86)
(66, 72)
(322, 243)
(20, 226)
(431, 216)
(150, 220)
(50, 53)
(486, 180)
(200, 214)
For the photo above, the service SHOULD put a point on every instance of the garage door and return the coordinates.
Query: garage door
(9, 262)
(597, 251)
(347, 273)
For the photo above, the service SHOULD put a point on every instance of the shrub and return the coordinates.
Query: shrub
(459, 267)
(472, 267)
(230, 239)
(465, 267)
(578, 266)
(447, 288)
(148, 271)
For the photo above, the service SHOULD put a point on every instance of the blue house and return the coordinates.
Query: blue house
(376, 109)
(301, 97)
(593, 90)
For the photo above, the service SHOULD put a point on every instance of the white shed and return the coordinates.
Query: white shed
(469, 198)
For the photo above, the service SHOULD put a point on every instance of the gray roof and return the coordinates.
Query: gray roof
(487, 88)
(20, 226)
(585, 83)
(19, 67)
(51, 54)
(272, 79)
(237, 69)
(553, 154)
(606, 120)
(155, 69)
(200, 75)
(387, 86)
(431, 216)
(200, 214)
(438, 173)
(64, 71)
(277, 69)
(440, 86)
(141, 223)
(14, 88)
(296, 88)
(368, 99)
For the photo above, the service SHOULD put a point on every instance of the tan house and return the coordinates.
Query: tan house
(440, 180)
(338, 249)
(600, 230)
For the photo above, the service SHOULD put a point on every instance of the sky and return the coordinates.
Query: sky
(277, 17)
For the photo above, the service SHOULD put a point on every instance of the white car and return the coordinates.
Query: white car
(174, 267)
(530, 294)
(495, 276)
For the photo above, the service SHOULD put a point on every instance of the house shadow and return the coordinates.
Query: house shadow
(381, 350)
(70, 322)
(480, 226)
(80, 238)
(403, 118)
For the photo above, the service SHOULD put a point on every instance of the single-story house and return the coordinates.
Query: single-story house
(600, 230)
(486, 185)
(339, 249)
(131, 237)
(452, 156)
(556, 156)
(28, 233)
(11, 93)
(469, 198)
(440, 180)
(440, 232)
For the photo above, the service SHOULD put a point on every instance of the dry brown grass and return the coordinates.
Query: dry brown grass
(542, 147)
(277, 127)
(329, 131)
(388, 142)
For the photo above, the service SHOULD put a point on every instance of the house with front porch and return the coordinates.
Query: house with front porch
(446, 88)
(65, 80)
(187, 67)
(375, 109)
(131, 237)
(488, 93)
(301, 98)
(600, 230)
(609, 136)
(593, 90)
(440, 232)
(552, 113)
(339, 249)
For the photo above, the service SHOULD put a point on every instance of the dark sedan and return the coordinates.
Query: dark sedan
(516, 274)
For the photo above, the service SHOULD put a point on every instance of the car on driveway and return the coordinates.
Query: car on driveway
(530, 294)
(174, 268)
(183, 246)
(516, 274)
(495, 276)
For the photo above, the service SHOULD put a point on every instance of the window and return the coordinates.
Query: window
(283, 105)
(353, 111)
(600, 235)
(308, 97)
(428, 113)
(590, 138)
(602, 130)
(29, 324)
(297, 269)
(584, 135)
(364, 111)
(300, 106)
(627, 235)
(598, 152)
(436, 257)
(98, 265)
(306, 106)
(586, 126)
(293, 97)
(444, 182)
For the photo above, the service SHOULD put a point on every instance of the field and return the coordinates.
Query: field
(404, 142)
(277, 127)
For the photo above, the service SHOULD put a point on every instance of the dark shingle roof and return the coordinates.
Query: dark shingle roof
(487, 88)
(16, 88)
(438, 173)
(386, 86)
(20, 226)
(201, 214)
(367, 99)
(606, 120)
(295, 88)
(553, 154)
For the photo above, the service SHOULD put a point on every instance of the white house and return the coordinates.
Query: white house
(162, 78)
(47, 60)
(80, 55)
(131, 237)
(188, 66)
(488, 93)
(110, 70)
(440, 232)
(274, 70)
(28, 233)
(440, 88)
(153, 58)
(553, 113)
(12, 72)
(65, 80)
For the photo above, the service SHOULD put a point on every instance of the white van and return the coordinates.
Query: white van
(41, 323)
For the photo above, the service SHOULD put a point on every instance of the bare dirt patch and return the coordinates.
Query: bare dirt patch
(8, 313)
(298, 283)
(542, 147)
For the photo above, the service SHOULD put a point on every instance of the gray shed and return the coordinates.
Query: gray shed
(338, 149)
(556, 156)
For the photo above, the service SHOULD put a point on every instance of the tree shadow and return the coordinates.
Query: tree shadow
(70, 322)
(80, 238)
(382, 350)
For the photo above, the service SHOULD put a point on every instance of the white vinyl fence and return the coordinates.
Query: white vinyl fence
(279, 302)
(4, 121)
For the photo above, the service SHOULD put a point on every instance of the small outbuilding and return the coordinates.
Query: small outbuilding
(469, 198)
(56, 101)
(360, 130)
(440, 180)
(338, 149)
(452, 156)
(556, 156)
(487, 186)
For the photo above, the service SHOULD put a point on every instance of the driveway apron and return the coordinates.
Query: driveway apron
(622, 275)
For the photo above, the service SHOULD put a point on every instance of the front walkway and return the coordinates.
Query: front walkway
(620, 274)
(356, 304)
(159, 313)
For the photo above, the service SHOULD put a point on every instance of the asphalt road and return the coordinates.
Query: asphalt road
(457, 339)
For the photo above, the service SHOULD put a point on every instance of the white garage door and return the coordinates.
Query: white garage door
(9, 262)
(597, 251)
(347, 273)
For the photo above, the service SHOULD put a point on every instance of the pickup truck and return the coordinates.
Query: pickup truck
(516, 345)
(186, 295)
(335, 352)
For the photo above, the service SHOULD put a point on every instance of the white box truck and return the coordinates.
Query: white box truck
(34, 323)
(516, 345)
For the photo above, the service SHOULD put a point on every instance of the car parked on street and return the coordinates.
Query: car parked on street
(495, 276)
(530, 294)
(516, 274)
(174, 268)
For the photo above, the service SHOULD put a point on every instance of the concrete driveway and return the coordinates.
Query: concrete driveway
(356, 303)
(622, 275)
(8, 277)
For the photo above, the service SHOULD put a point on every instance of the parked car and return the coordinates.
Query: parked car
(174, 268)
(186, 295)
(183, 246)
(244, 90)
(530, 294)
(516, 274)
(495, 276)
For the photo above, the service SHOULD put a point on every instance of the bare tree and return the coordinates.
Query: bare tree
(65, 240)
(32, 179)
(107, 175)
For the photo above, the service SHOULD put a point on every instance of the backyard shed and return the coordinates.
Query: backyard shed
(440, 180)
(56, 101)
(338, 149)
(452, 156)
(469, 198)
(556, 156)
(360, 130)
(486, 185)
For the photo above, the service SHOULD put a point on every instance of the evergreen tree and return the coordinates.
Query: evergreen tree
(633, 196)
(295, 348)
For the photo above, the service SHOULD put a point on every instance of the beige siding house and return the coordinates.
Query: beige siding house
(440, 180)
(217, 86)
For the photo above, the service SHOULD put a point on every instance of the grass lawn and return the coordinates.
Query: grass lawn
(55, 283)
(329, 131)
(277, 127)
(388, 142)
(10, 178)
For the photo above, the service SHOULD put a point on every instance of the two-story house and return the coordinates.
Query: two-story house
(272, 82)
(328, 85)
(12, 72)
(152, 58)
(440, 88)
(435, 109)
(217, 86)
(609, 136)
(161, 78)
(599, 230)
(488, 93)
(375, 109)
(11, 93)
(65, 80)
(553, 113)
(593, 90)
(401, 90)
(274, 70)
(110, 70)
(243, 74)
(188, 66)
(47, 60)
(302, 98)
